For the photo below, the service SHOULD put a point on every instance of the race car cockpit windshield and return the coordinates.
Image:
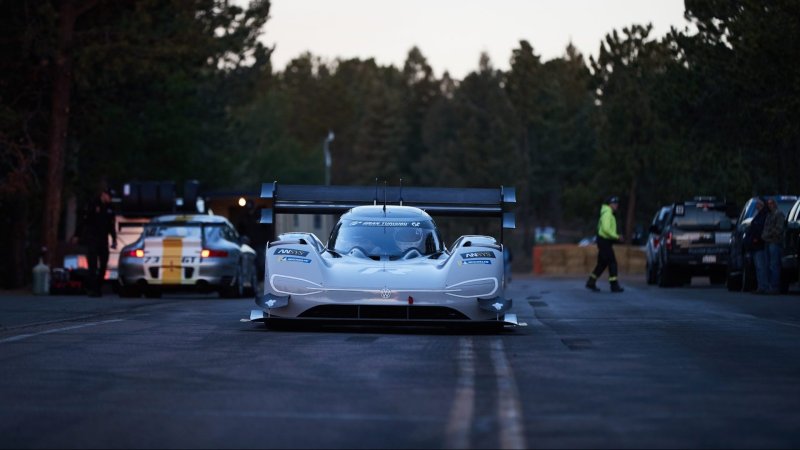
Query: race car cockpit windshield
(393, 239)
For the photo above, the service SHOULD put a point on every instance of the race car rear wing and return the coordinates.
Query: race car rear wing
(315, 199)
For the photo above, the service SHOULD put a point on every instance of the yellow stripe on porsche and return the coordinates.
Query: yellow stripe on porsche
(171, 269)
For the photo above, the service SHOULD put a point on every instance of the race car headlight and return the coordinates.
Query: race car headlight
(480, 287)
(293, 285)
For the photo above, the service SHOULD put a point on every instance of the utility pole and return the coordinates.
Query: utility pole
(327, 151)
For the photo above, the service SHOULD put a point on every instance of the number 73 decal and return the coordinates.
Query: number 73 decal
(157, 259)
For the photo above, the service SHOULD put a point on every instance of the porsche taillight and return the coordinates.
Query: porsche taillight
(208, 253)
(137, 253)
(668, 241)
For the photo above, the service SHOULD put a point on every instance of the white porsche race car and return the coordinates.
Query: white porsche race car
(385, 262)
(196, 252)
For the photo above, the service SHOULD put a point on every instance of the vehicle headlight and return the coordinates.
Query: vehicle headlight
(480, 287)
(293, 285)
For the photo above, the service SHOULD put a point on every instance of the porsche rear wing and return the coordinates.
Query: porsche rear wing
(315, 199)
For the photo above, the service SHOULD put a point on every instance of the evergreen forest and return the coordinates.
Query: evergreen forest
(122, 90)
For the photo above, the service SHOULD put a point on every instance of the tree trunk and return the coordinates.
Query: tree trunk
(59, 123)
(20, 270)
(630, 214)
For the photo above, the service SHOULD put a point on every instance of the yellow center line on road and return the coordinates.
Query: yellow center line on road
(460, 423)
(74, 327)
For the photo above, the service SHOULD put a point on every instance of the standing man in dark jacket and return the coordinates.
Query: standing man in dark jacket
(96, 225)
(773, 237)
(606, 237)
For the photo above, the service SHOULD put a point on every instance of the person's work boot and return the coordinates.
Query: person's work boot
(615, 287)
(591, 284)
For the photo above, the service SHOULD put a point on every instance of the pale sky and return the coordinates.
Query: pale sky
(452, 33)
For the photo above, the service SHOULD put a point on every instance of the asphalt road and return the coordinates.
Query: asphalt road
(686, 367)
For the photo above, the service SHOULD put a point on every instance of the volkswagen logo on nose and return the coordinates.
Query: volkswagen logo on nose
(386, 293)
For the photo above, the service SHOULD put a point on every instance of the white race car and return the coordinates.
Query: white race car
(385, 262)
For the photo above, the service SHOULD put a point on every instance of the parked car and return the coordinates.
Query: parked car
(653, 242)
(694, 242)
(791, 248)
(188, 252)
(741, 274)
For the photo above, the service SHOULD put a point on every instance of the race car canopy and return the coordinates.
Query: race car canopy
(315, 199)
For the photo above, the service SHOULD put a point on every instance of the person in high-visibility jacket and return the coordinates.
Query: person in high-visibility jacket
(606, 237)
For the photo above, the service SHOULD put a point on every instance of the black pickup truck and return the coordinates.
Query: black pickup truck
(694, 242)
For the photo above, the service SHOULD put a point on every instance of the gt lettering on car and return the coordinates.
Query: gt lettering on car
(290, 251)
(474, 255)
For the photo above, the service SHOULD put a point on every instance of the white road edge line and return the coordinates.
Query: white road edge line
(56, 330)
(508, 407)
(785, 323)
(460, 423)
